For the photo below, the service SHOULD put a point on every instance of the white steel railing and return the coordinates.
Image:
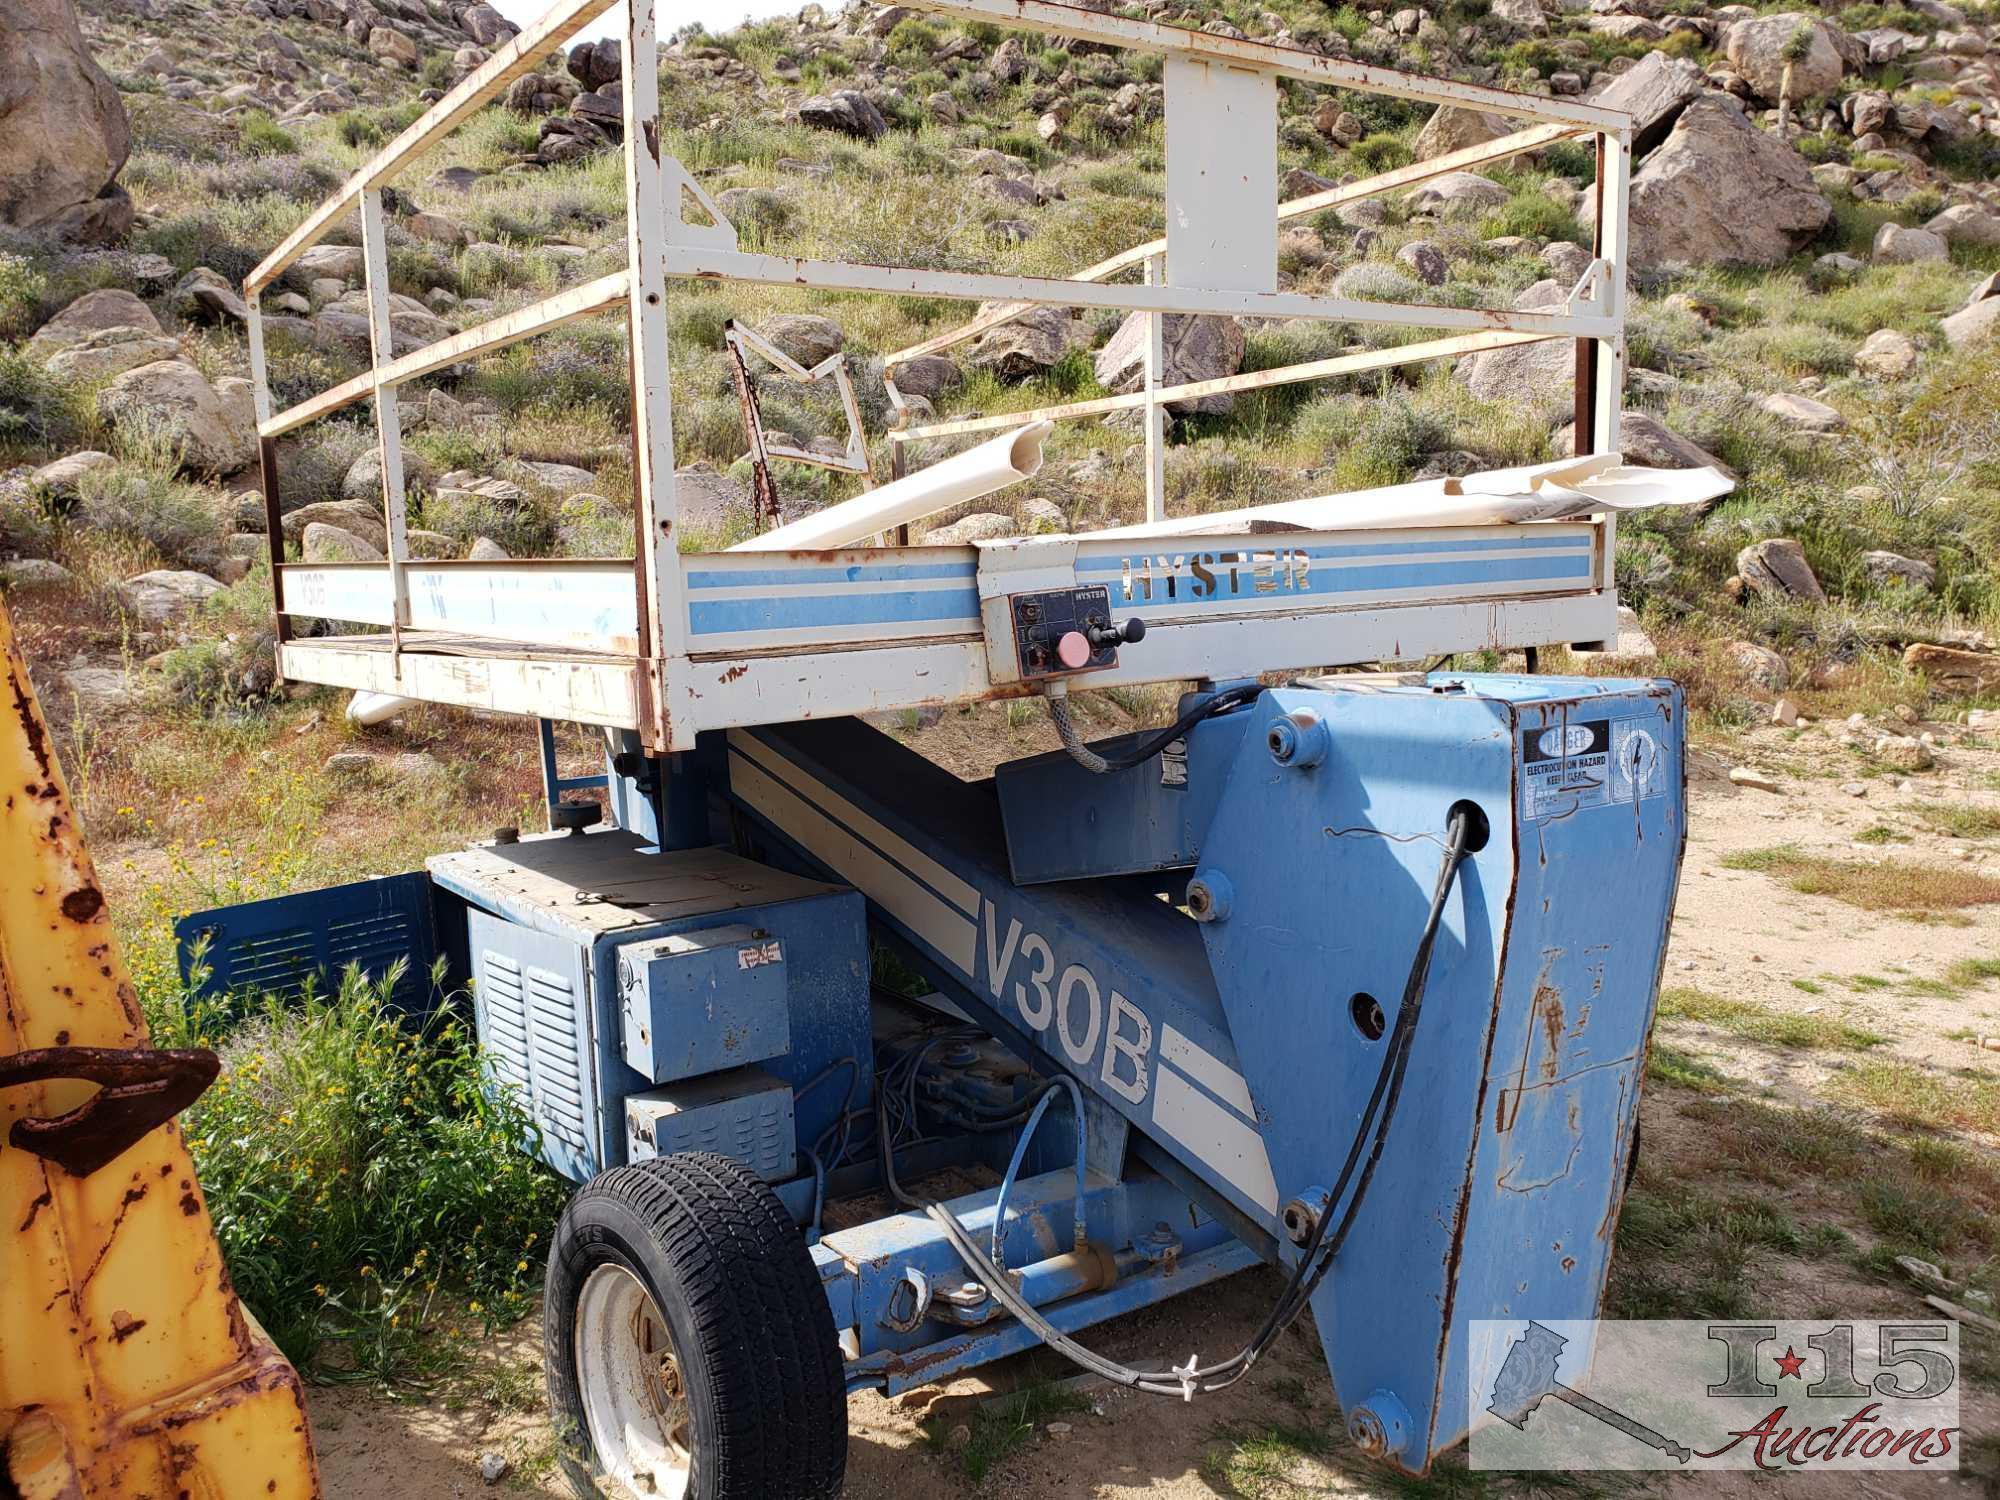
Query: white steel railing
(1218, 258)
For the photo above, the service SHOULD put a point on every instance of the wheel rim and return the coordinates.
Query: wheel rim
(635, 1403)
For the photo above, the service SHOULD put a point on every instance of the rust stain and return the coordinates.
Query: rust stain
(31, 722)
(83, 903)
(739, 670)
(41, 1202)
(1549, 1006)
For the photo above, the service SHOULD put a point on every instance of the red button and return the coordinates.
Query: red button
(1074, 649)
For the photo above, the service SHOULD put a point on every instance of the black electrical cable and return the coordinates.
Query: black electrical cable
(1151, 746)
(1317, 1257)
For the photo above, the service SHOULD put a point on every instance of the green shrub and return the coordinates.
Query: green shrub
(912, 42)
(146, 502)
(1533, 213)
(1380, 152)
(22, 286)
(37, 410)
(356, 1168)
(263, 136)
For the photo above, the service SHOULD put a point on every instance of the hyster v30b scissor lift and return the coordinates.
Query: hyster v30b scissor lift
(1349, 976)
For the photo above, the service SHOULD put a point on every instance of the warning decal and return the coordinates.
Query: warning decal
(1565, 767)
(1589, 763)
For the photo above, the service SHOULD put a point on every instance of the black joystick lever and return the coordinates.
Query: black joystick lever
(1130, 633)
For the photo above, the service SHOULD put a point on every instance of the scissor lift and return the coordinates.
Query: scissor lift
(1167, 1023)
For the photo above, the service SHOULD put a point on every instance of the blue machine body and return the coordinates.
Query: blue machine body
(552, 920)
(1209, 951)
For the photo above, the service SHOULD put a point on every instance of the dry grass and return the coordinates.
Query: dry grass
(1892, 886)
(1923, 1098)
(1963, 820)
(1772, 1028)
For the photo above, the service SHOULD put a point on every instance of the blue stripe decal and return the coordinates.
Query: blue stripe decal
(1337, 581)
(727, 616)
(852, 573)
(1276, 542)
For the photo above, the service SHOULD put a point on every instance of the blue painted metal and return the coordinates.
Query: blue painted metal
(1500, 1181)
(1098, 979)
(595, 893)
(1214, 1062)
(1133, 1224)
(1064, 823)
(554, 783)
(702, 1002)
(744, 1114)
(277, 946)
(1248, 1063)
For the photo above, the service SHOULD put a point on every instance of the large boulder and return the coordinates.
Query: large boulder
(594, 64)
(805, 337)
(1644, 439)
(93, 312)
(110, 352)
(323, 542)
(1973, 324)
(1896, 245)
(1458, 195)
(1778, 569)
(1722, 192)
(928, 376)
(1967, 224)
(61, 482)
(1541, 373)
(392, 47)
(1886, 354)
(163, 595)
(846, 111)
(1453, 129)
(214, 426)
(63, 132)
(1653, 93)
(1979, 319)
(1951, 670)
(1196, 348)
(204, 296)
(1762, 48)
(487, 26)
(1025, 347)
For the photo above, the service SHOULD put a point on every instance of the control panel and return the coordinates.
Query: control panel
(1059, 632)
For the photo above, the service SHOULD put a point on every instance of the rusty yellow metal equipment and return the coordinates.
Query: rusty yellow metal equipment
(127, 1366)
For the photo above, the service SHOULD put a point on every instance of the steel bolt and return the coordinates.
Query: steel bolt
(1209, 896)
(1300, 740)
(1380, 1426)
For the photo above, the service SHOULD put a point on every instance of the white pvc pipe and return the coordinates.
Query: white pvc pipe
(1556, 491)
(377, 708)
(993, 465)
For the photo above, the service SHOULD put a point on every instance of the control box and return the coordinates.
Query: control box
(702, 1002)
(1060, 631)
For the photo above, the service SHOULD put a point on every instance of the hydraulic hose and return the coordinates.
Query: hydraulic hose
(1149, 747)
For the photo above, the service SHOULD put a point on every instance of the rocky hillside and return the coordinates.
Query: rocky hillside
(1816, 215)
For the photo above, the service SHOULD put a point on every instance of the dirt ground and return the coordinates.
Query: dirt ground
(1741, 934)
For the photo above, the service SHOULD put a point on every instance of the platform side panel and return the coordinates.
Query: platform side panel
(280, 945)
(1599, 870)
(1332, 870)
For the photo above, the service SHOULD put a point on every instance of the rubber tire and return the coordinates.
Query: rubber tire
(730, 1273)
